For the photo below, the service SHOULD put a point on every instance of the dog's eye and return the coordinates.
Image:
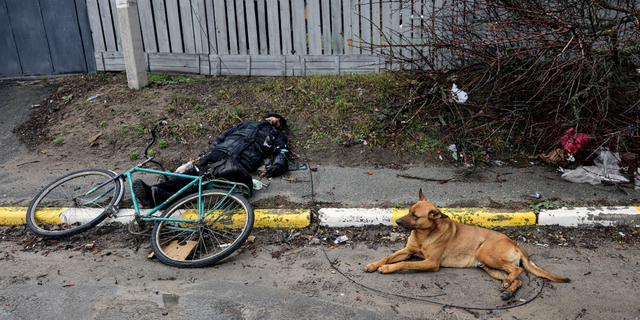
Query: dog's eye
(414, 215)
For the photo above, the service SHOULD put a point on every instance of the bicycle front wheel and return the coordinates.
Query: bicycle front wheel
(189, 237)
(74, 203)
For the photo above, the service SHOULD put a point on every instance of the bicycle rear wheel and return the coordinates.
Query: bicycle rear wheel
(200, 240)
(74, 203)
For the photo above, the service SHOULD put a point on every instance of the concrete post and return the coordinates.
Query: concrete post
(132, 48)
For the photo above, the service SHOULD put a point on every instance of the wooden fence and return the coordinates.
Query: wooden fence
(261, 37)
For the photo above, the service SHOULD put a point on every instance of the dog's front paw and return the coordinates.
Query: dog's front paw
(387, 268)
(506, 295)
(371, 267)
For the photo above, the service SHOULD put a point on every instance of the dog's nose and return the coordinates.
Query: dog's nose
(399, 222)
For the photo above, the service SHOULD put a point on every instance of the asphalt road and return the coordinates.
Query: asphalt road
(277, 282)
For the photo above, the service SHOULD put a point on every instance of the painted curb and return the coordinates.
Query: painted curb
(484, 217)
(334, 217)
(606, 216)
(264, 218)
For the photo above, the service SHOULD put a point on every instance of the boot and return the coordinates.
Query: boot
(143, 193)
(159, 196)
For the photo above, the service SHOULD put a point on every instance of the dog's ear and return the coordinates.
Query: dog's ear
(436, 214)
(421, 196)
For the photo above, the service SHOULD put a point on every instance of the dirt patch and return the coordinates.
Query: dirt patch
(118, 236)
(97, 118)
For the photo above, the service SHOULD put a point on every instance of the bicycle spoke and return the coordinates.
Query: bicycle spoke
(222, 229)
(73, 203)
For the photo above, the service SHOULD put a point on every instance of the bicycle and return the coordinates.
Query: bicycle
(196, 230)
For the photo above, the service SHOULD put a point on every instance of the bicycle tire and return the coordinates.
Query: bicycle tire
(63, 209)
(203, 241)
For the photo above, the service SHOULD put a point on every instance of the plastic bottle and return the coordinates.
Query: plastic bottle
(184, 167)
(257, 184)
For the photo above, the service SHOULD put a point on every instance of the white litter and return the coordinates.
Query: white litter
(461, 96)
(606, 169)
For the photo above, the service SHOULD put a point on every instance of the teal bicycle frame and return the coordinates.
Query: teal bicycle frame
(230, 186)
(209, 184)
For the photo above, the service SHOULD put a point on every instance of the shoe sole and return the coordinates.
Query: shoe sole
(140, 189)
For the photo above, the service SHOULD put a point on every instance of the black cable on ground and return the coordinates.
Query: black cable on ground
(446, 305)
(313, 204)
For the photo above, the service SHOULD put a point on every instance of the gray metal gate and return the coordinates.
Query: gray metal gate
(45, 37)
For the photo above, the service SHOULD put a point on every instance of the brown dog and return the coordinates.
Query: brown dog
(447, 243)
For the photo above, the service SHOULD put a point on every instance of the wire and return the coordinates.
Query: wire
(314, 205)
(447, 305)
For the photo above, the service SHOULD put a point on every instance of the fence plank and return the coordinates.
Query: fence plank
(406, 30)
(262, 28)
(198, 12)
(188, 37)
(375, 26)
(173, 19)
(252, 27)
(113, 61)
(96, 26)
(365, 25)
(174, 62)
(211, 30)
(107, 25)
(273, 24)
(437, 53)
(231, 27)
(355, 26)
(299, 27)
(221, 26)
(326, 27)
(116, 23)
(314, 32)
(416, 22)
(336, 27)
(386, 23)
(395, 30)
(242, 30)
(348, 35)
(285, 27)
(146, 26)
(162, 30)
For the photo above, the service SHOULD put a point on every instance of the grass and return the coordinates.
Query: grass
(324, 112)
(546, 204)
(165, 79)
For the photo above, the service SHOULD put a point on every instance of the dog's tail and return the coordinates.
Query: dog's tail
(531, 267)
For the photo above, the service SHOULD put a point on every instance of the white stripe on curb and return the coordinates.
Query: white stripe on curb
(607, 216)
(354, 217)
(125, 216)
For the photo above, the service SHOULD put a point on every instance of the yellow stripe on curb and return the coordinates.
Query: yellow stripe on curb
(13, 215)
(264, 218)
(282, 218)
(482, 217)
(17, 215)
